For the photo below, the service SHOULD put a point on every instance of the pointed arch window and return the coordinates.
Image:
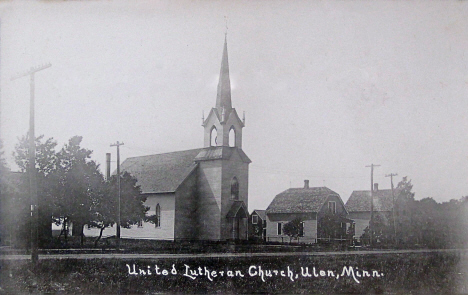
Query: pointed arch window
(213, 136)
(232, 137)
(157, 222)
(234, 189)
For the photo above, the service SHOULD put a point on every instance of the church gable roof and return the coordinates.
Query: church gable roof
(238, 210)
(221, 152)
(300, 200)
(229, 117)
(161, 173)
(213, 112)
(359, 201)
(233, 116)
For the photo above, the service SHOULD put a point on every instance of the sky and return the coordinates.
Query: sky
(328, 87)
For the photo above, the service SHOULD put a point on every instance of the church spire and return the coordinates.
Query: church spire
(223, 127)
(223, 99)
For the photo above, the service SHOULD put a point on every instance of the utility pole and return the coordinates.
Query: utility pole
(393, 206)
(371, 225)
(32, 163)
(118, 144)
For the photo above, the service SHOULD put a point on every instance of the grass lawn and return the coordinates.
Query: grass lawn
(416, 273)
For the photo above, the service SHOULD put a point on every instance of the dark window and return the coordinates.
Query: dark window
(235, 189)
(232, 137)
(157, 222)
(301, 229)
(254, 219)
(279, 228)
(213, 136)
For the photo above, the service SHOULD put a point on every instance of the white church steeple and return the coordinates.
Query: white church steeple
(223, 127)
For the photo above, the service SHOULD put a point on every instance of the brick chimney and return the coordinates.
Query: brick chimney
(306, 183)
(376, 187)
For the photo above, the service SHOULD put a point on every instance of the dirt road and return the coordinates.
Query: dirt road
(217, 255)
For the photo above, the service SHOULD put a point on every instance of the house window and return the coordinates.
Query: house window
(301, 229)
(332, 207)
(279, 228)
(234, 189)
(232, 137)
(213, 136)
(254, 219)
(157, 222)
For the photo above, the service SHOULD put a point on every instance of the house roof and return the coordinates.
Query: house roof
(161, 173)
(359, 201)
(261, 213)
(300, 200)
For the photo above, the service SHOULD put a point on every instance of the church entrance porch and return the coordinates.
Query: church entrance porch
(238, 219)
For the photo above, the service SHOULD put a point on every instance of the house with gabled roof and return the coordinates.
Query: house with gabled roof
(313, 206)
(257, 224)
(198, 194)
(359, 207)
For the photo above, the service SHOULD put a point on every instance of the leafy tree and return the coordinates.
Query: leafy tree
(383, 229)
(46, 161)
(3, 192)
(132, 208)
(3, 165)
(132, 205)
(72, 190)
(293, 229)
(79, 183)
(423, 222)
(440, 225)
(46, 156)
(405, 210)
(455, 215)
(404, 190)
(330, 226)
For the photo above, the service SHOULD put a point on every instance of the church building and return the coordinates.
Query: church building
(198, 194)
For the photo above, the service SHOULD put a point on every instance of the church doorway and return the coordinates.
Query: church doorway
(237, 217)
(235, 228)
